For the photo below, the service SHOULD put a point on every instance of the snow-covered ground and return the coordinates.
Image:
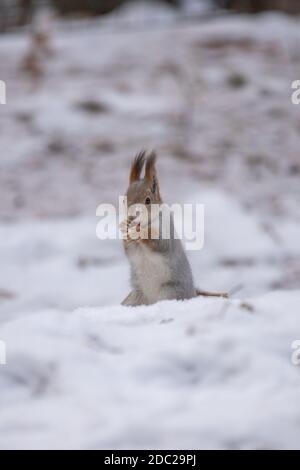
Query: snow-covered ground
(199, 374)
(214, 100)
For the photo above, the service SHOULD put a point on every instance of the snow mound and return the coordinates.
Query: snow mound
(206, 373)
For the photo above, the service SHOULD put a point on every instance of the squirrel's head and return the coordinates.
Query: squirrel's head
(143, 190)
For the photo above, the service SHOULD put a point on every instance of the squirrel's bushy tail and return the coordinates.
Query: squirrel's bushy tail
(201, 293)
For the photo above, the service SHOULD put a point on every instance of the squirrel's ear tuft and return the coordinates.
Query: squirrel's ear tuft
(137, 167)
(150, 175)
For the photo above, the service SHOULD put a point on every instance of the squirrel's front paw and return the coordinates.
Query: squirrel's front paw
(124, 226)
(134, 232)
(130, 231)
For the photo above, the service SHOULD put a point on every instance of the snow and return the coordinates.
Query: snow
(174, 375)
(214, 99)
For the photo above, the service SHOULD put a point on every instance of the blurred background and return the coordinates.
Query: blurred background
(90, 83)
(20, 12)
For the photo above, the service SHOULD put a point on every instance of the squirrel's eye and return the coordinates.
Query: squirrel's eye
(148, 201)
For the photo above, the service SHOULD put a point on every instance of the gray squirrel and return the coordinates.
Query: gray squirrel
(160, 269)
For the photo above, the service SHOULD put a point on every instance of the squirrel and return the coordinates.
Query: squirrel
(160, 269)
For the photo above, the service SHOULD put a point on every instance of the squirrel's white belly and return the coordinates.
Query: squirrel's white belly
(151, 271)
